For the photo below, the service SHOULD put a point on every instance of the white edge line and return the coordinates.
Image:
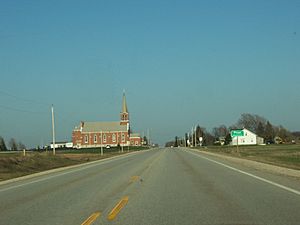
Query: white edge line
(249, 174)
(81, 167)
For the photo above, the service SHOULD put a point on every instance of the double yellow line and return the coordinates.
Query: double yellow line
(91, 219)
(116, 210)
(111, 216)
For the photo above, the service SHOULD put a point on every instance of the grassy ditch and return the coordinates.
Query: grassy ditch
(281, 155)
(14, 165)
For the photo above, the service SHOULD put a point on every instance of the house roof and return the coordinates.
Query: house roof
(103, 126)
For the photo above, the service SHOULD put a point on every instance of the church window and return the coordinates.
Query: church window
(86, 139)
(95, 138)
(114, 137)
(104, 138)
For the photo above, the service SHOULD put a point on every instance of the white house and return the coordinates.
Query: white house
(249, 138)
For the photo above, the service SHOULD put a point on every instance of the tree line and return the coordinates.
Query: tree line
(13, 145)
(221, 134)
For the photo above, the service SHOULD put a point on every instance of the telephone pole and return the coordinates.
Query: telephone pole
(53, 130)
(148, 137)
(101, 143)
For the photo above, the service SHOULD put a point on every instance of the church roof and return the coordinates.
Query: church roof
(103, 126)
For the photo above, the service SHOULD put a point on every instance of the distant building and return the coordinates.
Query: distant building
(62, 144)
(249, 138)
(135, 139)
(103, 134)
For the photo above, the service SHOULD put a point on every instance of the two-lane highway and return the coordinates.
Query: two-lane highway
(164, 186)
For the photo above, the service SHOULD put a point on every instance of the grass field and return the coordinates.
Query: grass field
(14, 165)
(281, 155)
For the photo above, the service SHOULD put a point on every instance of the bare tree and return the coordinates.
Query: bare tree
(13, 144)
(251, 122)
(220, 131)
(21, 146)
(283, 133)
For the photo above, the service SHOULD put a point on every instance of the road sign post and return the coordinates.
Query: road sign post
(237, 134)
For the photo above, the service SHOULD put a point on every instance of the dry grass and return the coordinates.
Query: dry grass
(16, 165)
(281, 155)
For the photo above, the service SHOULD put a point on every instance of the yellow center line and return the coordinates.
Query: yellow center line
(116, 210)
(91, 219)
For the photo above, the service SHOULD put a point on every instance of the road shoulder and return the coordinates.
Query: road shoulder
(255, 165)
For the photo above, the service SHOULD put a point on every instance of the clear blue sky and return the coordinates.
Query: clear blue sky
(181, 63)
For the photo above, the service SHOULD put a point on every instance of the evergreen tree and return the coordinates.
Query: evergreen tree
(2, 144)
(176, 142)
(228, 139)
(145, 140)
(269, 133)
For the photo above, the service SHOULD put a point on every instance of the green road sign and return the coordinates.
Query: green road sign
(237, 133)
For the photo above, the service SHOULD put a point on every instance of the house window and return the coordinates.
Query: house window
(104, 138)
(86, 139)
(123, 137)
(95, 138)
(114, 137)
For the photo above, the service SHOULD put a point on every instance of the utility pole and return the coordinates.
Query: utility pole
(195, 136)
(148, 137)
(192, 136)
(101, 144)
(53, 129)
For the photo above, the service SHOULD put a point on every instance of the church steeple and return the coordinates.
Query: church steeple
(124, 104)
(124, 114)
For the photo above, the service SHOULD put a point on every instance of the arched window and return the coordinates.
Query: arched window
(114, 137)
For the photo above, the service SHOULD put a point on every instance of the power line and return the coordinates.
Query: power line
(23, 99)
(20, 110)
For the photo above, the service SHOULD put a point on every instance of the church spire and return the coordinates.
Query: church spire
(124, 115)
(124, 104)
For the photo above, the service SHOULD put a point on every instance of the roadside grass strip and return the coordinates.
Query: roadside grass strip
(91, 219)
(116, 210)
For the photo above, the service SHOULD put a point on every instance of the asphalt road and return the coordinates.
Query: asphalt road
(165, 186)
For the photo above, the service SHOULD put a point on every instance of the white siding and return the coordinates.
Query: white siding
(249, 138)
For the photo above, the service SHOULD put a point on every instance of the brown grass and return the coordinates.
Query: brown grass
(16, 165)
(281, 155)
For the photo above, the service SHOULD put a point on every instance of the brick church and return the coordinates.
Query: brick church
(104, 134)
